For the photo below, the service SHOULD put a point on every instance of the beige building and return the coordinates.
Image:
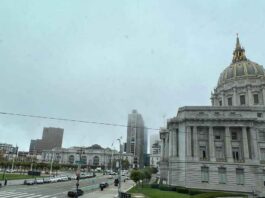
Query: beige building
(222, 146)
(93, 156)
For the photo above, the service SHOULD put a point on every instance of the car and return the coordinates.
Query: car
(72, 177)
(47, 180)
(116, 182)
(29, 182)
(64, 178)
(53, 179)
(103, 185)
(110, 177)
(74, 193)
(39, 181)
(10, 171)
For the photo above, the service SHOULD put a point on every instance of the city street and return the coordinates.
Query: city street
(53, 190)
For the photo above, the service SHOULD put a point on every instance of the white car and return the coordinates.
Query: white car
(39, 181)
(53, 179)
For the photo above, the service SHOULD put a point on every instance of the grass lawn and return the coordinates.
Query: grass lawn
(156, 193)
(12, 176)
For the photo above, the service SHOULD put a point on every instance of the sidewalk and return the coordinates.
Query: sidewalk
(109, 192)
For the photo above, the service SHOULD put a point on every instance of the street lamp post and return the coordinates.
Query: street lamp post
(51, 163)
(80, 151)
(112, 148)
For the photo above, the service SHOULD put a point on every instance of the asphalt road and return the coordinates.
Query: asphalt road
(51, 190)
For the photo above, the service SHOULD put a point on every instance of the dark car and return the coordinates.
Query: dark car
(74, 194)
(116, 182)
(103, 185)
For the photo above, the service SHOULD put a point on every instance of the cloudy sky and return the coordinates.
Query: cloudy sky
(98, 60)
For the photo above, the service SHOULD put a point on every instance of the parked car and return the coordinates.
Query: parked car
(64, 178)
(47, 180)
(39, 181)
(53, 179)
(74, 193)
(110, 177)
(29, 182)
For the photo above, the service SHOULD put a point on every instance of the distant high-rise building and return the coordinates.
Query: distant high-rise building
(153, 139)
(136, 138)
(34, 147)
(51, 138)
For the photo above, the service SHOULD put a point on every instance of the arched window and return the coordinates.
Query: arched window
(96, 161)
(71, 159)
(84, 159)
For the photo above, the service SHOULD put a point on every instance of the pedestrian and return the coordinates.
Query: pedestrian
(5, 181)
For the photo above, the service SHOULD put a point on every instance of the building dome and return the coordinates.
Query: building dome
(241, 67)
(241, 70)
(241, 83)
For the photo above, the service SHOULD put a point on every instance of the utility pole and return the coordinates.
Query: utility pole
(119, 187)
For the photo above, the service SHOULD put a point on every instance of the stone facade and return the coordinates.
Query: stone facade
(91, 156)
(220, 147)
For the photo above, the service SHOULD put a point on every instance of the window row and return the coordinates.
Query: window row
(242, 100)
(222, 175)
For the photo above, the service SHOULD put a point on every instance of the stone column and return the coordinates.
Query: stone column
(166, 147)
(249, 101)
(211, 144)
(245, 143)
(234, 97)
(170, 144)
(263, 95)
(228, 147)
(223, 99)
(195, 143)
(174, 143)
(163, 150)
(188, 142)
(254, 144)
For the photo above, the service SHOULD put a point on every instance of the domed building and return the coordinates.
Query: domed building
(220, 147)
(242, 83)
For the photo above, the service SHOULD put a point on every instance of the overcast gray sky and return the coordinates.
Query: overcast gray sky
(98, 60)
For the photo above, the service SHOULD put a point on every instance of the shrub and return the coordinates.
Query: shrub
(218, 194)
(167, 188)
(156, 186)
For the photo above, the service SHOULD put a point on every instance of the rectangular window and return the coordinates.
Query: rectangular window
(203, 153)
(220, 102)
(234, 135)
(256, 99)
(205, 174)
(229, 101)
(262, 154)
(219, 153)
(222, 175)
(236, 154)
(263, 177)
(242, 100)
(203, 135)
(259, 115)
(262, 136)
(240, 176)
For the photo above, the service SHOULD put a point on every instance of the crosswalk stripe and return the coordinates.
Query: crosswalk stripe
(9, 194)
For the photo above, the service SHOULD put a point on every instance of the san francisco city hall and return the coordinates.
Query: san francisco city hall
(220, 147)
